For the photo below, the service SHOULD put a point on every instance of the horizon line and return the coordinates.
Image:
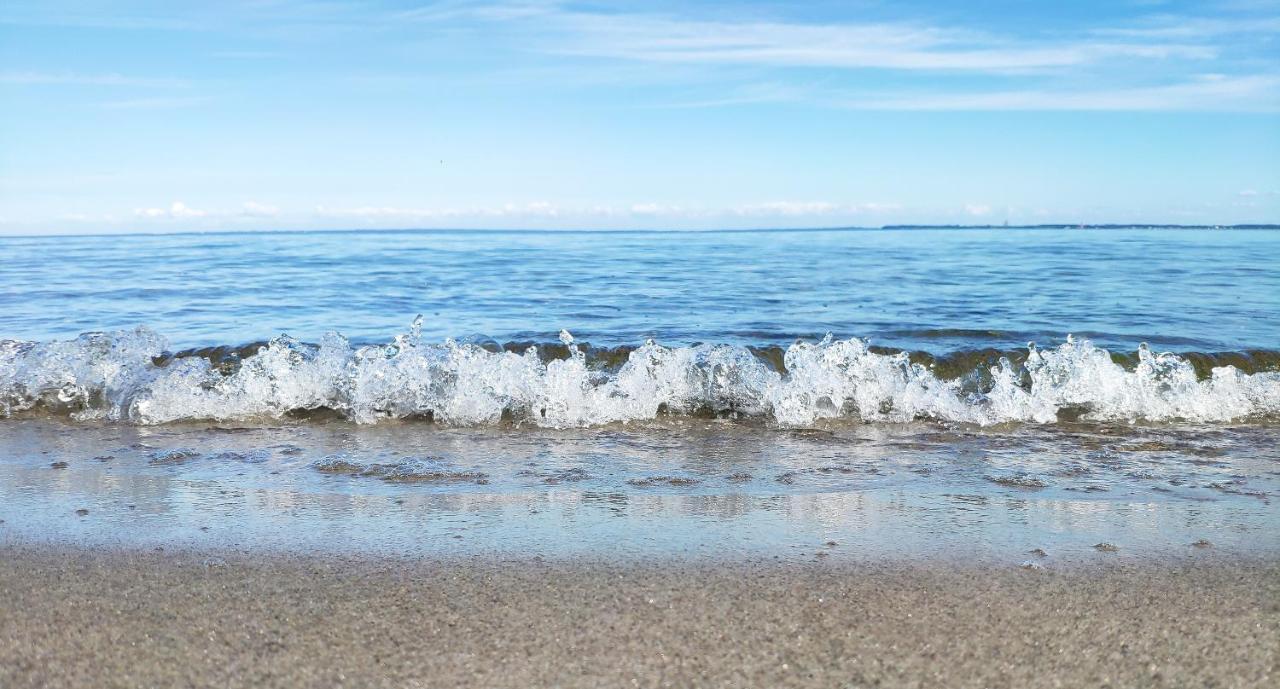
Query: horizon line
(658, 230)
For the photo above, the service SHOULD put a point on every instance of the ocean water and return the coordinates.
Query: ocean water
(728, 392)
(932, 290)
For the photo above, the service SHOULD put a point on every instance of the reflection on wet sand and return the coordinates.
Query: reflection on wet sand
(687, 487)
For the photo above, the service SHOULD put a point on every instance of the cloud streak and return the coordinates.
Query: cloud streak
(847, 46)
(66, 78)
(1260, 93)
(1157, 62)
(547, 209)
(1149, 62)
(157, 103)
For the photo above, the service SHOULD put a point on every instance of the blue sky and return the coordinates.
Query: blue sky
(122, 116)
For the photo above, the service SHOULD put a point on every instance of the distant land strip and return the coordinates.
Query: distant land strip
(1083, 226)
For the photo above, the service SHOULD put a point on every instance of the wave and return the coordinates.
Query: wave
(129, 376)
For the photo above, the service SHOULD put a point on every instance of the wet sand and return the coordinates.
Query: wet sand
(76, 617)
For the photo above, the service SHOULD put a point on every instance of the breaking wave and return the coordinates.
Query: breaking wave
(129, 376)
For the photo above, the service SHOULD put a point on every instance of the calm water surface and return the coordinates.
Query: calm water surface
(931, 290)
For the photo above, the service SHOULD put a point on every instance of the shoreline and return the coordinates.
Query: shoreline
(80, 616)
(697, 489)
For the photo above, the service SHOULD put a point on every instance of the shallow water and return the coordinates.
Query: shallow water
(685, 488)
(527, 413)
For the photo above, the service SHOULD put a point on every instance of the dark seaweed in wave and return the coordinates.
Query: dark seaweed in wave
(973, 364)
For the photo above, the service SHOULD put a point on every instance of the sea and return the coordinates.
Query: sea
(1030, 396)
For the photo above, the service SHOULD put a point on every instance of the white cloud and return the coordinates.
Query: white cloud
(181, 210)
(536, 208)
(778, 209)
(879, 207)
(653, 209)
(790, 208)
(977, 209)
(253, 209)
(812, 208)
(177, 210)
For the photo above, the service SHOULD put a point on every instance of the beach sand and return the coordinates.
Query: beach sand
(75, 617)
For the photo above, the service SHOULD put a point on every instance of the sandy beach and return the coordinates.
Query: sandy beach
(77, 617)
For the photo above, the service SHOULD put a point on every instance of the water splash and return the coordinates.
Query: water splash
(127, 376)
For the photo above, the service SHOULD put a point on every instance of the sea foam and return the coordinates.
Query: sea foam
(127, 376)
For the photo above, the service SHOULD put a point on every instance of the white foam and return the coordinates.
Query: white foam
(111, 376)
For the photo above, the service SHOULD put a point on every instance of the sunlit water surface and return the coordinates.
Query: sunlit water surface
(940, 432)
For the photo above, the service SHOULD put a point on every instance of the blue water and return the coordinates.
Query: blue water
(396, 441)
(931, 290)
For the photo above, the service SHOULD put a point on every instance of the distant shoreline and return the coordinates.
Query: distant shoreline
(1084, 226)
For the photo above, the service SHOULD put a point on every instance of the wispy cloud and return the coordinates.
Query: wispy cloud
(39, 15)
(812, 208)
(543, 209)
(157, 103)
(1208, 93)
(537, 214)
(536, 208)
(1147, 62)
(67, 78)
(1155, 62)
(1165, 27)
(772, 92)
(839, 45)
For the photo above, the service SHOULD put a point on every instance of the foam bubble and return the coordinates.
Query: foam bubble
(124, 376)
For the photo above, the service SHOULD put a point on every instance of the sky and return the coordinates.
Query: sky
(125, 116)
